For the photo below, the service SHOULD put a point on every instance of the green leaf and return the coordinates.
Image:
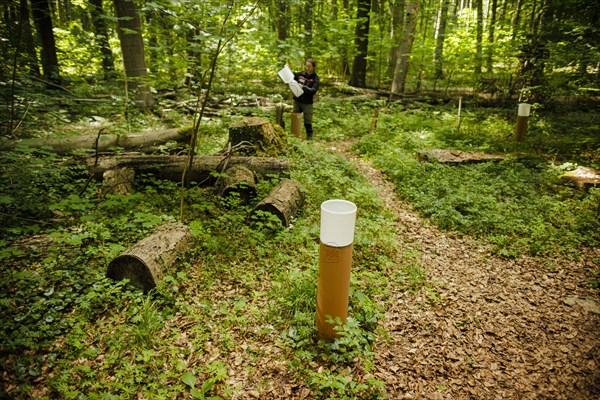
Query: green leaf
(189, 379)
(197, 394)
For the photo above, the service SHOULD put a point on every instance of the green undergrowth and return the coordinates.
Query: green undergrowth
(239, 301)
(518, 204)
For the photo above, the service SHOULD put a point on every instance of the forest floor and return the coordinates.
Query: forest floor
(525, 328)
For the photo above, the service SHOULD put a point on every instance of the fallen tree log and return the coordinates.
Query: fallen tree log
(146, 262)
(171, 167)
(284, 201)
(239, 180)
(458, 156)
(133, 142)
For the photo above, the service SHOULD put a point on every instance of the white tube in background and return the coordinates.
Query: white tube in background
(337, 223)
(524, 110)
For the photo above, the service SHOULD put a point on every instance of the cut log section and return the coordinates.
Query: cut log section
(256, 136)
(134, 142)
(171, 167)
(118, 181)
(284, 201)
(240, 180)
(145, 263)
(458, 156)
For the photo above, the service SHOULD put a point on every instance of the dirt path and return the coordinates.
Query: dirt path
(502, 329)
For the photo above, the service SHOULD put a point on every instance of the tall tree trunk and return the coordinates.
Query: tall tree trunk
(490, 52)
(361, 41)
(397, 19)
(479, 40)
(308, 22)
(282, 21)
(27, 39)
(40, 10)
(132, 46)
(439, 44)
(101, 30)
(405, 47)
(516, 21)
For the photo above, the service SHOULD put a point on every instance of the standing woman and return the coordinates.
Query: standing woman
(309, 82)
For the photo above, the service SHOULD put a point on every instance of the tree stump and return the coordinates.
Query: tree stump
(118, 181)
(283, 201)
(256, 136)
(145, 263)
(240, 180)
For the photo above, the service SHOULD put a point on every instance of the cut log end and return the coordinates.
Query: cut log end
(284, 201)
(130, 267)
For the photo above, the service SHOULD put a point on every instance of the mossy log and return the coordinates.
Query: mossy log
(146, 262)
(256, 136)
(284, 201)
(171, 167)
(133, 142)
(240, 180)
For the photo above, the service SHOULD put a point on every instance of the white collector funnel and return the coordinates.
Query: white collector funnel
(337, 222)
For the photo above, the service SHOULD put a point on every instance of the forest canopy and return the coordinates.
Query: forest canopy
(522, 49)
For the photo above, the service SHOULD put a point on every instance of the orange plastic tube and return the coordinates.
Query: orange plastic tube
(333, 288)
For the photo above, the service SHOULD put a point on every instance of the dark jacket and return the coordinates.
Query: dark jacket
(311, 85)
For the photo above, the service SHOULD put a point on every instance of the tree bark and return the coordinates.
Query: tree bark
(101, 31)
(238, 180)
(405, 47)
(284, 201)
(118, 181)
(145, 263)
(397, 18)
(491, 32)
(171, 167)
(255, 136)
(479, 39)
(361, 41)
(40, 10)
(439, 43)
(27, 38)
(132, 47)
(133, 142)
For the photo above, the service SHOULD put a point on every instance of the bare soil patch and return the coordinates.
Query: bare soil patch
(499, 329)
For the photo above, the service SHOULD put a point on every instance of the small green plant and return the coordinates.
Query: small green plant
(217, 372)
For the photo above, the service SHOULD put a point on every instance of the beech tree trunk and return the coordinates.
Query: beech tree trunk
(361, 41)
(284, 201)
(101, 31)
(40, 10)
(133, 142)
(145, 263)
(134, 57)
(171, 167)
(405, 47)
(439, 44)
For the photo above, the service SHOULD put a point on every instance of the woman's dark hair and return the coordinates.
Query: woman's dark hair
(312, 61)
